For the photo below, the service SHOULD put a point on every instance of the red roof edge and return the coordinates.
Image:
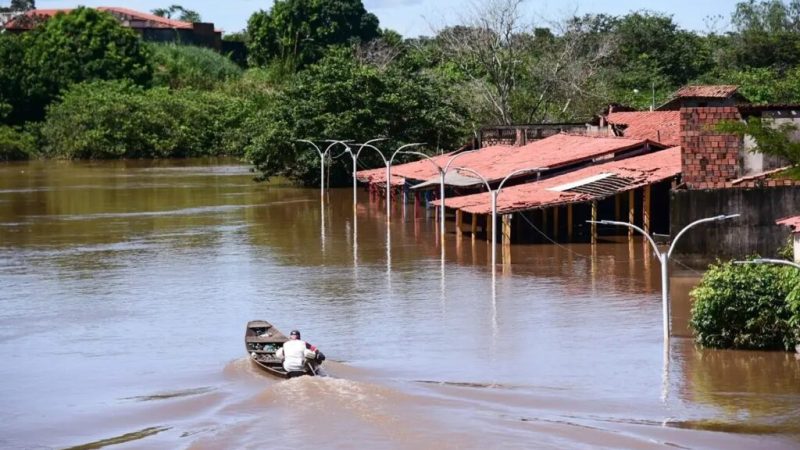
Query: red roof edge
(792, 222)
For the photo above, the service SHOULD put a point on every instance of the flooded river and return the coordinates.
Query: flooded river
(125, 288)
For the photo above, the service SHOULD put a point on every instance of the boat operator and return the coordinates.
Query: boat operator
(294, 353)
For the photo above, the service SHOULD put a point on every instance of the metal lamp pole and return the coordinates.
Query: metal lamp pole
(769, 261)
(388, 163)
(355, 160)
(663, 258)
(493, 195)
(322, 155)
(442, 174)
(389, 177)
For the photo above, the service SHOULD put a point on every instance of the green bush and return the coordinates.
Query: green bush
(186, 66)
(745, 307)
(84, 44)
(112, 119)
(16, 144)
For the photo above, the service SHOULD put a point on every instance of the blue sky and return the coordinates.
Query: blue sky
(416, 17)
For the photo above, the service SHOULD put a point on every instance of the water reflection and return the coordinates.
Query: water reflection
(124, 263)
(744, 388)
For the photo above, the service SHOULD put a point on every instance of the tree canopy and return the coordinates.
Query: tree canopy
(84, 44)
(178, 12)
(298, 31)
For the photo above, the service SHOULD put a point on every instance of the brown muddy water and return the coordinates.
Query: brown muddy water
(125, 288)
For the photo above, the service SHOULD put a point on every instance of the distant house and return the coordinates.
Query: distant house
(149, 26)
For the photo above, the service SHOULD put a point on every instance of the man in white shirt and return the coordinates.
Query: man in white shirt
(294, 353)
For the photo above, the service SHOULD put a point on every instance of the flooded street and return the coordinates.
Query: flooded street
(125, 288)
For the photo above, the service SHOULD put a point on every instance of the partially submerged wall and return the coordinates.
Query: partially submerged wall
(755, 232)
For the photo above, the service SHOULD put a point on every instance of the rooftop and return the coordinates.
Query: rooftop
(660, 126)
(136, 19)
(707, 91)
(495, 162)
(590, 183)
(791, 222)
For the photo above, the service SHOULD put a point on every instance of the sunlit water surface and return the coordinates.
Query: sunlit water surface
(125, 288)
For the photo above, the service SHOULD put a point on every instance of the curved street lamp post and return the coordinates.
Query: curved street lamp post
(322, 155)
(493, 195)
(769, 261)
(355, 156)
(388, 163)
(389, 177)
(442, 174)
(663, 258)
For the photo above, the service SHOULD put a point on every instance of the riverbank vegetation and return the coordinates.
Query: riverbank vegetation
(748, 306)
(80, 85)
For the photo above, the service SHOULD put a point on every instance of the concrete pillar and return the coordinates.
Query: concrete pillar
(506, 248)
(631, 212)
(555, 223)
(797, 247)
(646, 209)
(594, 225)
(459, 218)
(569, 222)
(544, 220)
(506, 229)
(474, 226)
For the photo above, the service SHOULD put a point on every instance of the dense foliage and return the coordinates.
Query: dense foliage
(16, 144)
(114, 119)
(747, 307)
(84, 44)
(298, 31)
(185, 66)
(340, 96)
(770, 139)
(178, 12)
(323, 68)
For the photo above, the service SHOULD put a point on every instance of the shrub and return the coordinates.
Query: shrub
(16, 144)
(187, 66)
(112, 119)
(84, 44)
(744, 306)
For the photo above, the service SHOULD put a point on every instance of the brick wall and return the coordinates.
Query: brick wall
(709, 159)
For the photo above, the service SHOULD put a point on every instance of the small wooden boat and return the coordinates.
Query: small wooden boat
(262, 340)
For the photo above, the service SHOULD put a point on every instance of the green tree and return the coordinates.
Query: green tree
(19, 5)
(298, 31)
(12, 95)
(115, 119)
(84, 44)
(761, 84)
(341, 97)
(179, 12)
(655, 41)
(16, 144)
(744, 306)
(770, 138)
(767, 34)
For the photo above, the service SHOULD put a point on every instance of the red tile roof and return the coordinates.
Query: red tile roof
(791, 222)
(496, 162)
(149, 20)
(660, 126)
(707, 91)
(153, 20)
(638, 171)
